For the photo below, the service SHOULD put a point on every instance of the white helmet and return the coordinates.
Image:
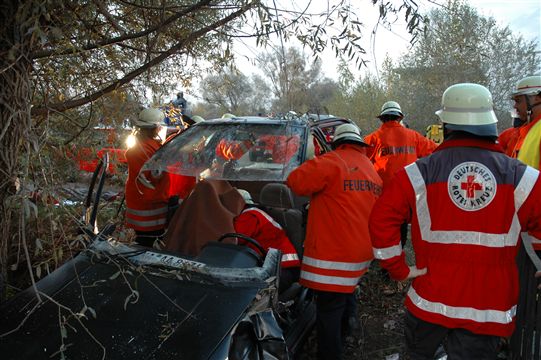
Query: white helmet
(468, 107)
(228, 116)
(530, 85)
(149, 118)
(391, 108)
(347, 133)
(246, 196)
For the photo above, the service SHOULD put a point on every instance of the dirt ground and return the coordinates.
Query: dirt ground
(381, 313)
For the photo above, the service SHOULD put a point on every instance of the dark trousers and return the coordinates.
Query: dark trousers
(147, 238)
(333, 313)
(404, 233)
(526, 340)
(424, 338)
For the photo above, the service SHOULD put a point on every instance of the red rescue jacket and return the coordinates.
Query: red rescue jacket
(343, 186)
(146, 208)
(260, 226)
(467, 203)
(393, 146)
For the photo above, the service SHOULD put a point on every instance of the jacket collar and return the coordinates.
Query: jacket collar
(358, 148)
(390, 124)
(470, 142)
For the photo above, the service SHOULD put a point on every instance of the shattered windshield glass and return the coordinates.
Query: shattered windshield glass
(233, 150)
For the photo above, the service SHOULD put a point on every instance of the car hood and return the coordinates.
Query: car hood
(122, 312)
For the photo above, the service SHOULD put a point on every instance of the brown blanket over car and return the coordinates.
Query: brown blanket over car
(204, 216)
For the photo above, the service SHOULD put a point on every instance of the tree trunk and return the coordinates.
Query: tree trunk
(15, 122)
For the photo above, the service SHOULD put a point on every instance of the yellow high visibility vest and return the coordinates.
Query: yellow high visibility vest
(435, 133)
(529, 151)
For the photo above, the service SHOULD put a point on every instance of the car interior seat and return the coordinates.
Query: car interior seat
(277, 200)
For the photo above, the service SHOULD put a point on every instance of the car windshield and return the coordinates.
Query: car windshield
(234, 150)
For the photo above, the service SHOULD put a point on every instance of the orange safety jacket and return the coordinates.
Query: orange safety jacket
(508, 139)
(260, 226)
(514, 148)
(393, 146)
(521, 136)
(343, 187)
(146, 208)
(467, 204)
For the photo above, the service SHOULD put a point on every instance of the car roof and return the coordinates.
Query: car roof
(247, 119)
(312, 119)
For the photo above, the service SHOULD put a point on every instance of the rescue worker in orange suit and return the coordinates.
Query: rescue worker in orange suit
(147, 194)
(394, 146)
(467, 203)
(527, 103)
(260, 226)
(526, 146)
(343, 186)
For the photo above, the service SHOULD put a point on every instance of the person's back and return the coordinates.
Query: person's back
(468, 203)
(343, 186)
(393, 146)
(478, 180)
(260, 226)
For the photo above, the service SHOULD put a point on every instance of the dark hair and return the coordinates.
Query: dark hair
(390, 117)
(336, 144)
(146, 133)
(449, 134)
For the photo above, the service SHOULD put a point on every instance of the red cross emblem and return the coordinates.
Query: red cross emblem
(470, 186)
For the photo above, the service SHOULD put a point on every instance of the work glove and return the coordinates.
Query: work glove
(414, 272)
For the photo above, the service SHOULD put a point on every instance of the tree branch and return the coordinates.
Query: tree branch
(63, 106)
(111, 41)
(104, 11)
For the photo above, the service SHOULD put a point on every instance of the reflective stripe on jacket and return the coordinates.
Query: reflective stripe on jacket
(467, 203)
(393, 146)
(260, 226)
(343, 187)
(146, 203)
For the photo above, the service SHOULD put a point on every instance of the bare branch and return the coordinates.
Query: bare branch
(42, 110)
(103, 10)
(115, 40)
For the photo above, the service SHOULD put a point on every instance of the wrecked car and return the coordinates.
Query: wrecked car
(118, 301)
